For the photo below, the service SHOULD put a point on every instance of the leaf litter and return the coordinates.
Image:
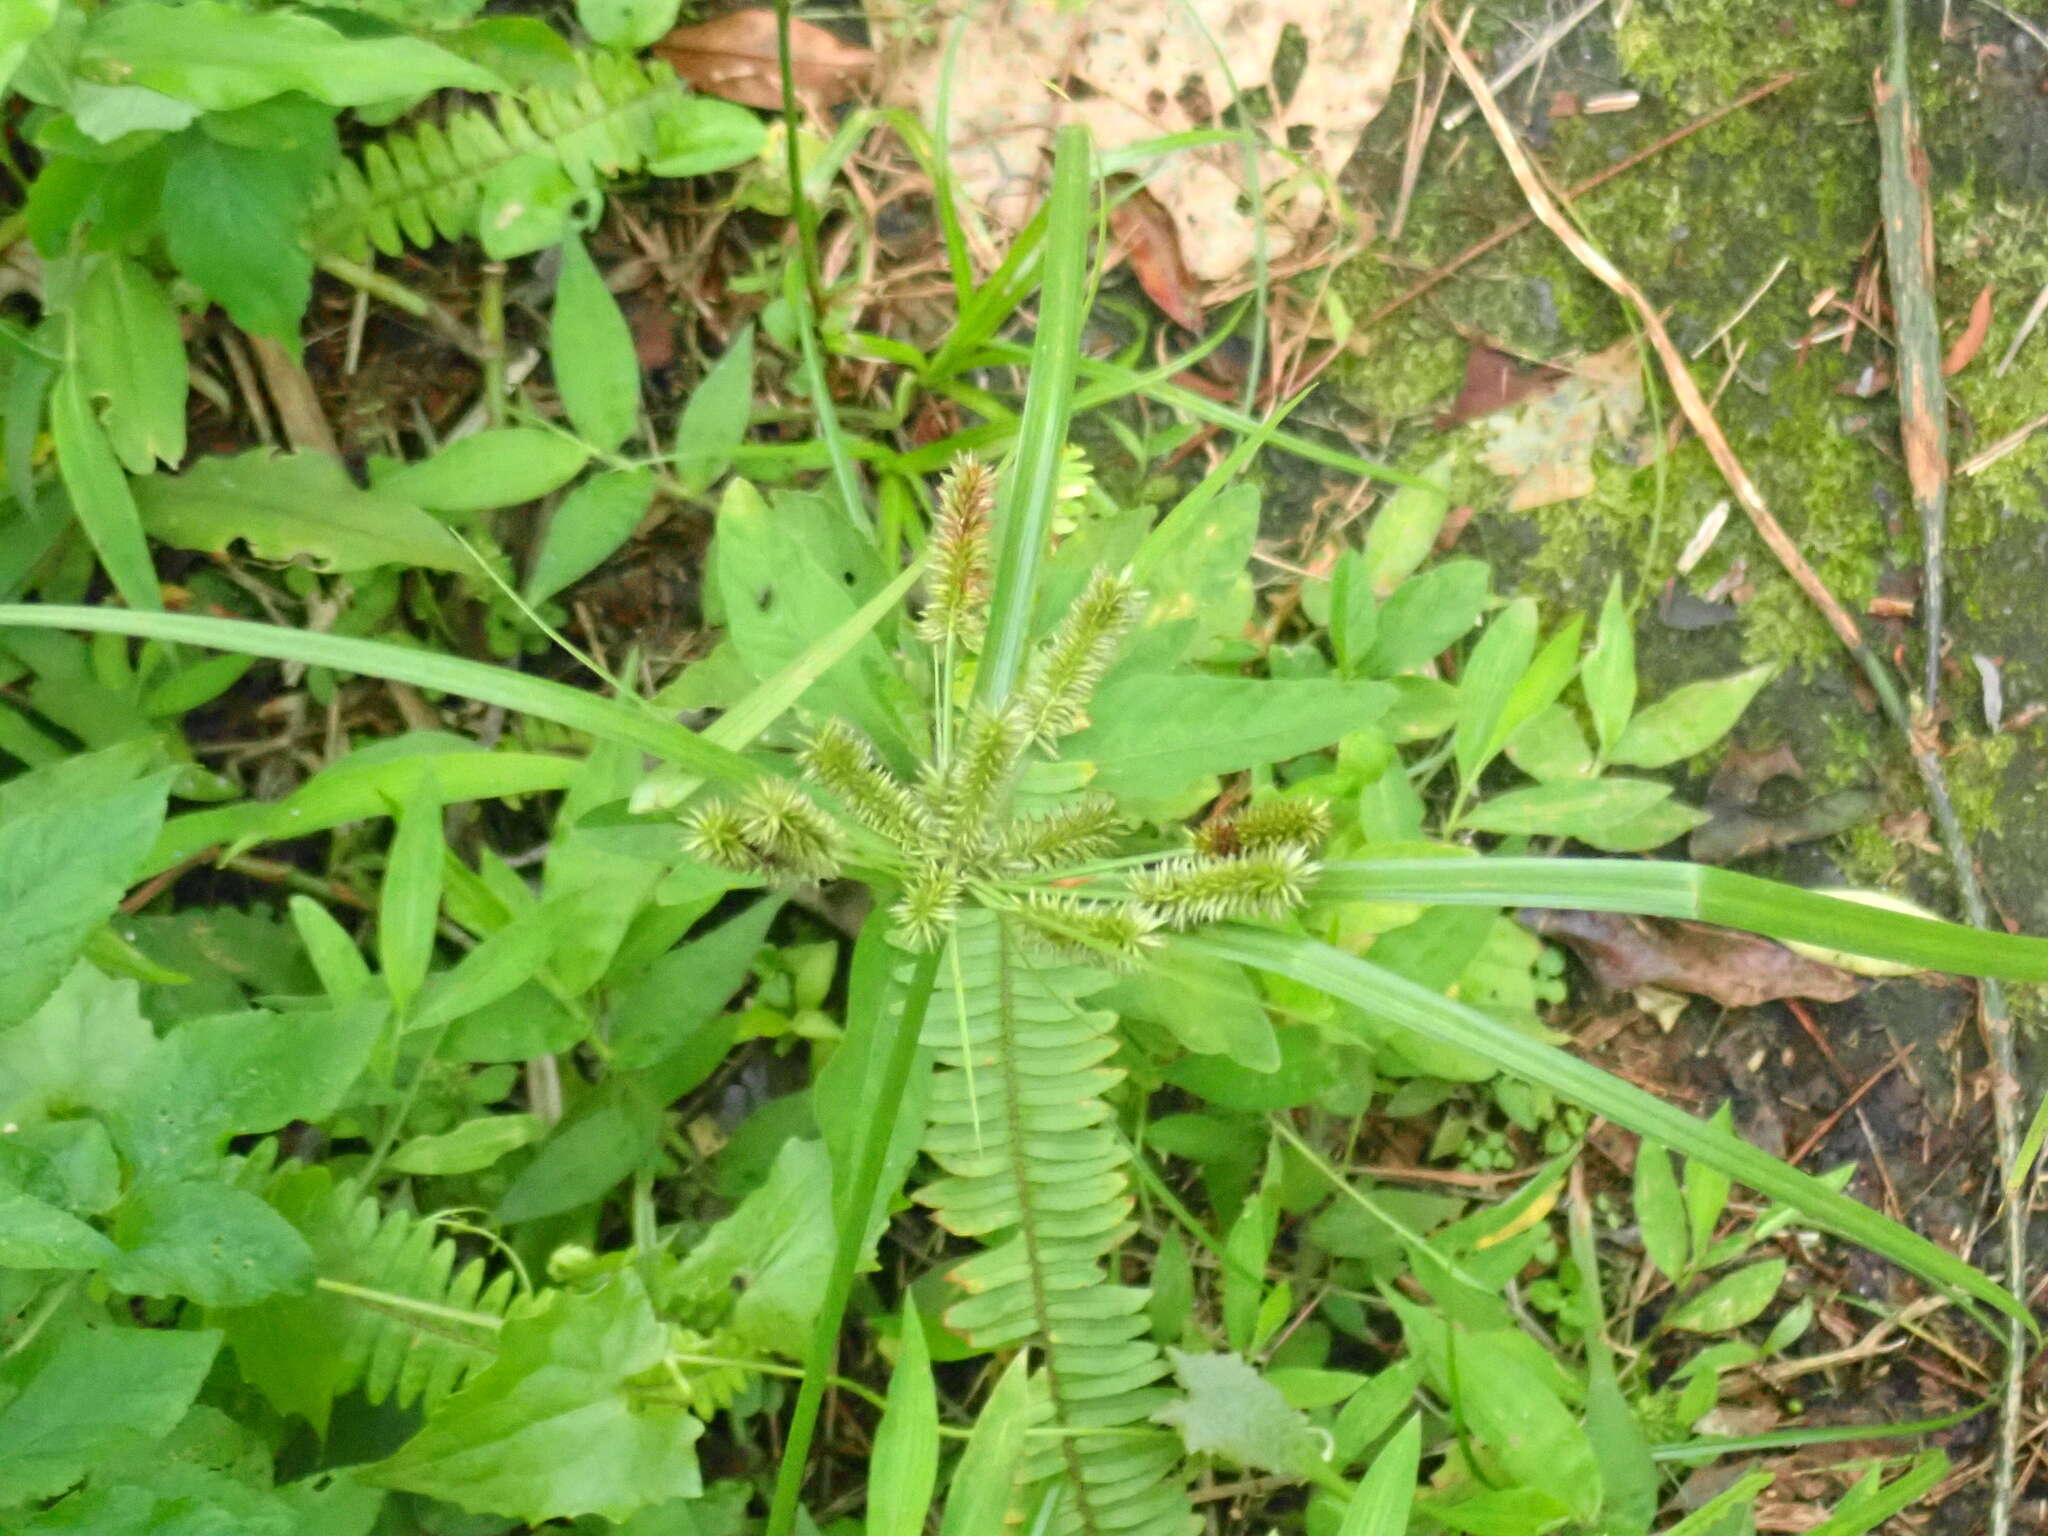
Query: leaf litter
(1135, 71)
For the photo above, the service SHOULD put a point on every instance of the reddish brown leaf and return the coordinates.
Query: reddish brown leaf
(735, 56)
(1971, 342)
(1493, 382)
(1736, 970)
(1145, 234)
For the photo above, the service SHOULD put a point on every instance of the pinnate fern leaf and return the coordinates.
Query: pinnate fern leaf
(1034, 1169)
(440, 181)
(304, 1351)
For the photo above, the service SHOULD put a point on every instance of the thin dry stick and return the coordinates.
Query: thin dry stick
(1923, 432)
(1507, 232)
(1918, 733)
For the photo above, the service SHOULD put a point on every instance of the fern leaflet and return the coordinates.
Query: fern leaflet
(1019, 1123)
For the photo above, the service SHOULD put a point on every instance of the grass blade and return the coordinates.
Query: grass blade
(1693, 891)
(607, 719)
(1025, 501)
(1400, 1001)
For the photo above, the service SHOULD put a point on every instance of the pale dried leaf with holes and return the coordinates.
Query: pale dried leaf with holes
(1134, 70)
(1546, 445)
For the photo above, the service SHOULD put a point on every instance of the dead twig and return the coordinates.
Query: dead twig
(1507, 232)
(1923, 434)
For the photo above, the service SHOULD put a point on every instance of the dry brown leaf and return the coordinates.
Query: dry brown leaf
(1546, 446)
(1971, 342)
(1736, 970)
(1135, 70)
(1145, 234)
(735, 56)
(1493, 382)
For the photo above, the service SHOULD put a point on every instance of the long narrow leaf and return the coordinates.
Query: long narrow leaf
(1397, 1000)
(608, 719)
(1025, 501)
(1654, 889)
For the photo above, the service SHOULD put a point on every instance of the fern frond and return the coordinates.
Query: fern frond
(428, 182)
(1034, 1168)
(418, 1346)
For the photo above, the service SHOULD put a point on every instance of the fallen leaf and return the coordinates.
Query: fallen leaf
(1145, 234)
(1133, 71)
(1743, 773)
(1971, 341)
(1493, 382)
(1736, 970)
(1733, 832)
(1546, 446)
(1679, 609)
(735, 56)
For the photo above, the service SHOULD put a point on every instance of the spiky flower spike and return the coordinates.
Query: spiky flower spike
(841, 759)
(1072, 834)
(1300, 822)
(926, 910)
(956, 606)
(784, 825)
(969, 791)
(1071, 663)
(1117, 933)
(716, 833)
(1188, 892)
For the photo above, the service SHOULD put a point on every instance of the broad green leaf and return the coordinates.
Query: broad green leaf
(905, 1465)
(292, 506)
(1359, 982)
(1247, 1248)
(1354, 613)
(585, 1157)
(1628, 1477)
(232, 217)
(1725, 1514)
(99, 493)
(1232, 1411)
(1706, 1192)
(235, 1074)
(1403, 531)
(1646, 829)
(21, 23)
(1568, 808)
(555, 1427)
(529, 203)
(192, 685)
(1210, 1008)
(343, 972)
(591, 352)
(132, 356)
(1550, 746)
(469, 1148)
(626, 24)
(218, 56)
(1194, 567)
(588, 528)
(66, 857)
(409, 900)
(978, 1499)
(1374, 1408)
(498, 467)
(713, 422)
(1492, 671)
(771, 1254)
(1660, 1213)
(500, 964)
(1427, 614)
(1731, 1301)
(782, 593)
(35, 1234)
(214, 1245)
(1514, 1413)
(1608, 679)
(81, 1394)
(680, 995)
(1688, 720)
(1158, 734)
(1386, 1494)
(76, 1052)
(1539, 687)
(708, 135)
(68, 1163)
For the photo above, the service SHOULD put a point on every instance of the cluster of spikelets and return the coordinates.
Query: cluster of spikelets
(953, 832)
